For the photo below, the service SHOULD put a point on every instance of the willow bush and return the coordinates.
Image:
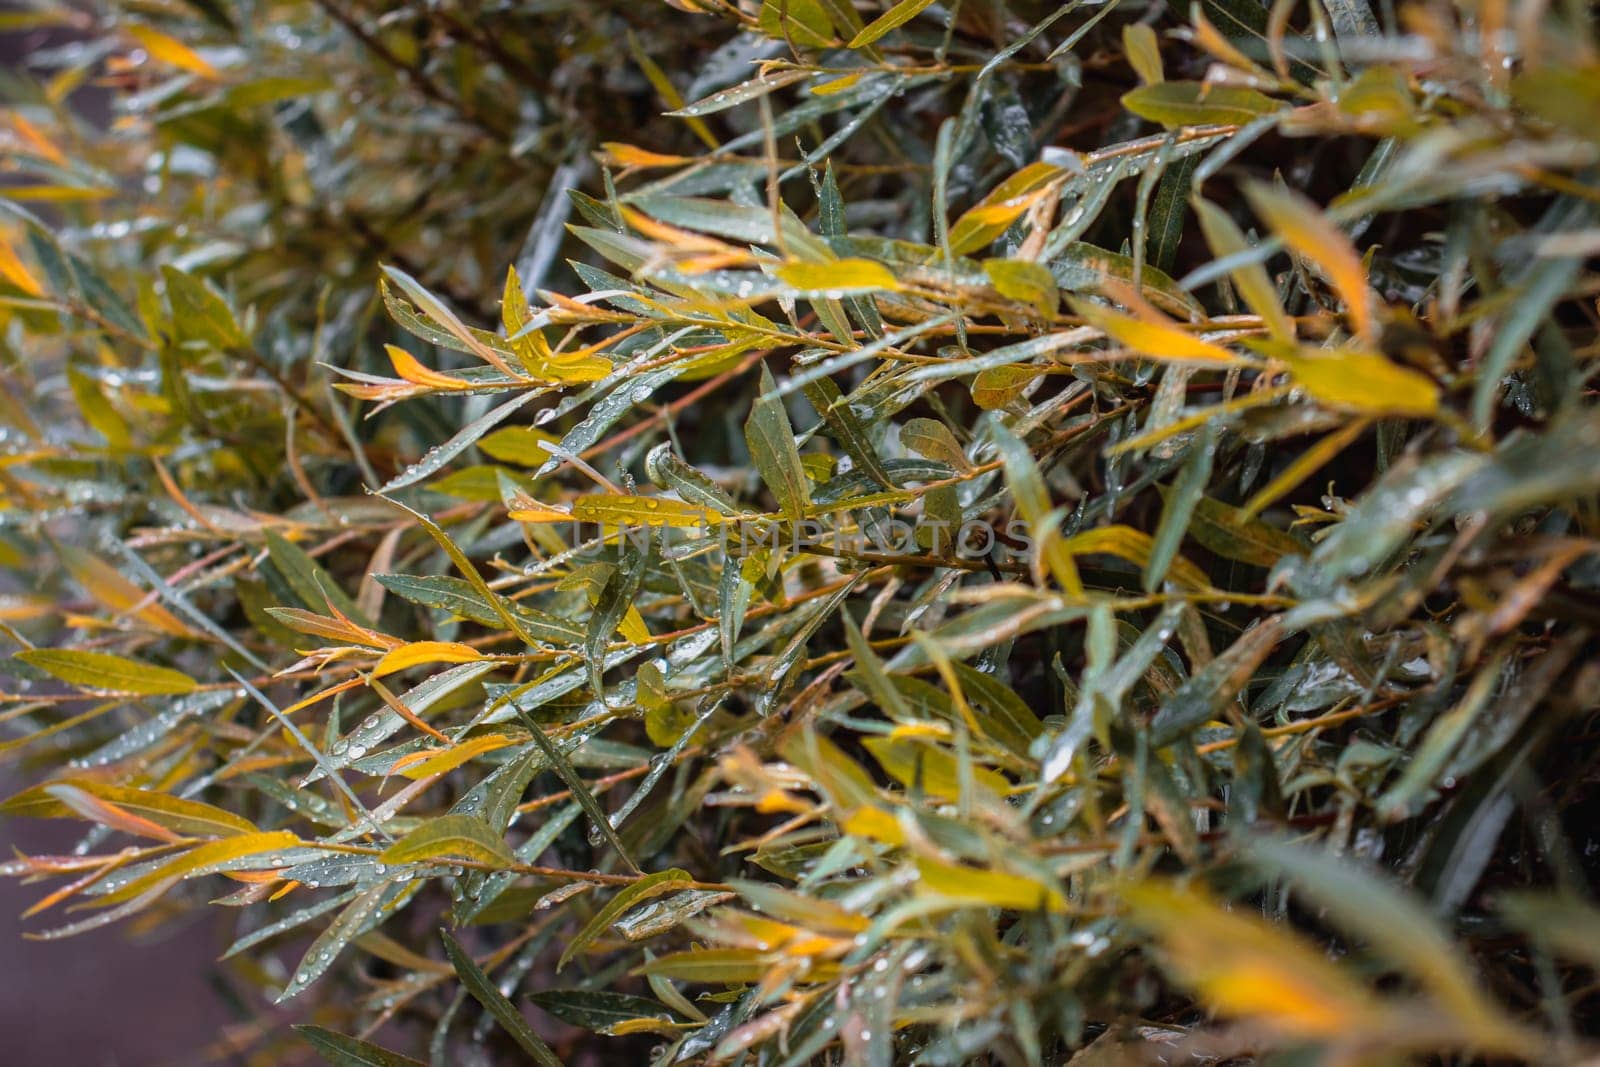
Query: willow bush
(837, 531)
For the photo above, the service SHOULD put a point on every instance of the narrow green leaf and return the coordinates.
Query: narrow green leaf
(1205, 694)
(342, 1050)
(1164, 227)
(359, 916)
(483, 991)
(580, 790)
(314, 587)
(597, 1010)
(651, 885)
(772, 445)
(847, 428)
(1179, 508)
(459, 597)
(199, 312)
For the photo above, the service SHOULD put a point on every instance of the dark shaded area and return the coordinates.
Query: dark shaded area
(108, 997)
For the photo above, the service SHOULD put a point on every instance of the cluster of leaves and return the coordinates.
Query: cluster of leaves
(1258, 342)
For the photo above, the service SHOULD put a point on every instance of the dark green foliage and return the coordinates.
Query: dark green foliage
(817, 530)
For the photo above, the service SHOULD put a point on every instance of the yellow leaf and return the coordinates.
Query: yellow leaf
(533, 511)
(107, 585)
(1209, 38)
(969, 886)
(533, 351)
(892, 19)
(837, 85)
(875, 824)
(627, 155)
(1134, 546)
(86, 804)
(171, 50)
(57, 193)
(1003, 206)
(577, 367)
(1356, 380)
(1154, 337)
(995, 387)
(21, 607)
(309, 622)
(425, 652)
(613, 509)
(198, 859)
(985, 222)
(1030, 283)
(838, 277)
(633, 628)
(36, 140)
(1250, 278)
(406, 365)
(425, 764)
(1143, 51)
(1308, 231)
(103, 671)
(521, 445)
(14, 271)
(1245, 967)
(931, 767)
(169, 816)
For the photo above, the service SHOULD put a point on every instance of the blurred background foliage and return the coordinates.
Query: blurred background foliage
(339, 337)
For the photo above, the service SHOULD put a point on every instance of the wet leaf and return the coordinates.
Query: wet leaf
(596, 1010)
(1244, 967)
(104, 671)
(494, 1002)
(651, 885)
(901, 13)
(1186, 103)
(772, 448)
(450, 835)
(344, 1051)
